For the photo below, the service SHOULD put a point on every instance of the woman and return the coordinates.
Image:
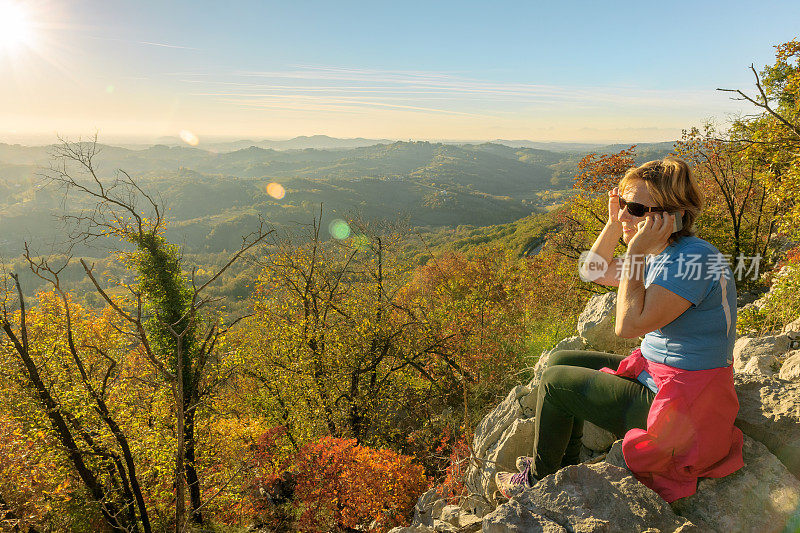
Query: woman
(672, 398)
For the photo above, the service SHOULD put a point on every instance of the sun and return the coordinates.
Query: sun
(16, 29)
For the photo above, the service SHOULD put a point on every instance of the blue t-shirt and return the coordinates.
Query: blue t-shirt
(702, 337)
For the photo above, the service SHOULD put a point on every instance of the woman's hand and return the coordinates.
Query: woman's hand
(613, 206)
(652, 234)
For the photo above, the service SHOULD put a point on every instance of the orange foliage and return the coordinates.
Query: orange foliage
(453, 487)
(600, 173)
(338, 484)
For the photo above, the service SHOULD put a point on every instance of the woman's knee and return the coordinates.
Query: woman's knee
(554, 376)
(563, 357)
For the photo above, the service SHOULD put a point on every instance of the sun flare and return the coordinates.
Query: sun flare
(16, 30)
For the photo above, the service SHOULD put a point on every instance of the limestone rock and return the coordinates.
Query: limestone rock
(493, 439)
(769, 412)
(790, 370)
(747, 348)
(475, 504)
(450, 514)
(428, 508)
(760, 497)
(792, 329)
(442, 526)
(412, 529)
(513, 517)
(596, 438)
(468, 523)
(516, 440)
(596, 325)
(614, 455)
(761, 365)
(598, 497)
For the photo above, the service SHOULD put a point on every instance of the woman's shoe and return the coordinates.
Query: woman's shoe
(508, 484)
(524, 462)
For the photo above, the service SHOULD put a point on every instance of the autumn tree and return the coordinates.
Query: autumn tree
(66, 365)
(335, 349)
(165, 313)
(739, 216)
(585, 214)
(334, 484)
(771, 136)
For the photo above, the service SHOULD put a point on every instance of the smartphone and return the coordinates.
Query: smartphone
(678, 221)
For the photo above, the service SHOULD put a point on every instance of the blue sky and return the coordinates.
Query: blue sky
(581, 71)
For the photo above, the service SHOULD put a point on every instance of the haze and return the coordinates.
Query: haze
(582, 71)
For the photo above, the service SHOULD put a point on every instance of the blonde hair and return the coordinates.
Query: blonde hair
(672, 186)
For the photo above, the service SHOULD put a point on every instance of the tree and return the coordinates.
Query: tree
(740, 215)
(772, 136)
(78, 414)
(165, 313)
(338, 351)
(335, 484)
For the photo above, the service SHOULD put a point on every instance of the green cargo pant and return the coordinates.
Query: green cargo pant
(572, 390)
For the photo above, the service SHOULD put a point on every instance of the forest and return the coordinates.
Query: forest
(183, 350)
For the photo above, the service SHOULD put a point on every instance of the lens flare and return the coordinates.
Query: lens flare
(189, 138)
(276, 190)
(339, 229)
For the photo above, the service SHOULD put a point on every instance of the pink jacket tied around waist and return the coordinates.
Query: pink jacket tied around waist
(690, 432)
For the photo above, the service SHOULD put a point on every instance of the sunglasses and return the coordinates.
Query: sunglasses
(636, 209)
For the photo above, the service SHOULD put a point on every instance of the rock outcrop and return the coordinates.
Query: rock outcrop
(596, 325)
(602, 494)
(769, 412)
(760, 356)
(597, 497)
(763, 496)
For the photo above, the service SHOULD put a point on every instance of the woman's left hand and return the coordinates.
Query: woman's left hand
(652, 234)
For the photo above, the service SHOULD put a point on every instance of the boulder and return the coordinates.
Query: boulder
(412, 529)
(761, 365)
(450, 514)
(769, 412)
(513, 517)
(596, 438)
(428, 508)
(596, 325)
(475, 505)
(517, 440)
(442, 526)
(468, 523)
(497, 437)
(586, 498)
(790, 370)
(747, 348)
(762, 496)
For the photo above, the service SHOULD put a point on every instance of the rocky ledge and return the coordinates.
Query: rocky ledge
(601, 494)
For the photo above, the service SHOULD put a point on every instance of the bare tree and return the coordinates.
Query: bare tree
(168, 315)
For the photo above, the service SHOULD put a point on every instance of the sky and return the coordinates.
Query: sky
(544, 71)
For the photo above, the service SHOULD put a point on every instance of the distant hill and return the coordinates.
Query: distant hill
(551, 146)
(317, 142)
(586, 147)
(216, 196)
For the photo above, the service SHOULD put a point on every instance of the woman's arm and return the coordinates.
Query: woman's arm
(641, 310)
(604, 245)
